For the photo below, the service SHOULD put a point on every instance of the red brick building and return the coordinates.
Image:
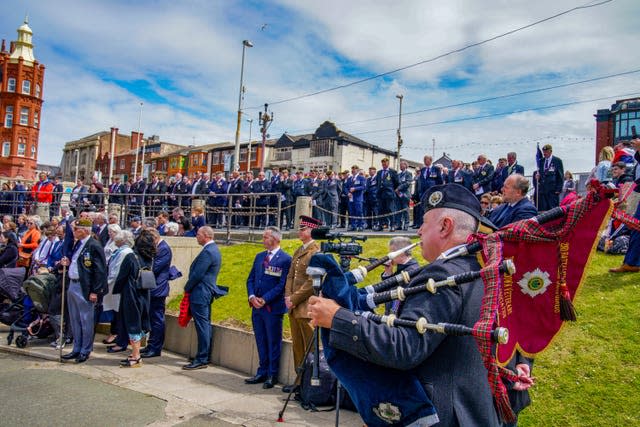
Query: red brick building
(616, 124)
(21, 97)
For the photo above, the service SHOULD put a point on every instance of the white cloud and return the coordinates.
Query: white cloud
(189, 54)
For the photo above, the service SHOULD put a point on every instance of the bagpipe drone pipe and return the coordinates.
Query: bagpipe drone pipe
(550, 252)
(383, 396)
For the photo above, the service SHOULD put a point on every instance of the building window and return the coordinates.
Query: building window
(153, 166)
(8, 117)
(36, 119)
(194, 160)
(6, 149)
(322, 148)
(22, 148)
(625, 122)
(26, 87)
(38, 91)
(11, 85)
(254, 153)
(215, 158)
(122, 164)
(33, 151)
(283, 153)
(24, 116)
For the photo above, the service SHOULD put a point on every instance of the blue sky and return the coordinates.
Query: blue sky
(182, 60)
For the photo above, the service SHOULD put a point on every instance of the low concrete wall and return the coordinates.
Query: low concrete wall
(232, 348)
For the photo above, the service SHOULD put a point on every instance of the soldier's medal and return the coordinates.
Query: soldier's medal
(87, 260)
(435, 198)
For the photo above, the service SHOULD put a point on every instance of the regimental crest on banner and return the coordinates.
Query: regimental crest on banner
(534, 283)
(388, 412)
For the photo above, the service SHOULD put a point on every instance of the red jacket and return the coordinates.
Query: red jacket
(42, 192)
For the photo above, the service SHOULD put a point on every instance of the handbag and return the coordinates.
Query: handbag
(146, 278)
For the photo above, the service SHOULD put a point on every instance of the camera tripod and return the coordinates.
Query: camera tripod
(316, 274)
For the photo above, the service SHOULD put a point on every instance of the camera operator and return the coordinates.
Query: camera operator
(298, 289)
(402, 262)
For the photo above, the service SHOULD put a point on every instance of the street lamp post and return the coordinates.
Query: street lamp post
(236, 152)
(135, 167)
(400, 97)
(249, 147)
(77, 162)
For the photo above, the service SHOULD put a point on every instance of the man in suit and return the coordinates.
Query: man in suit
(450, 367)
(387, 182)
(549, 179)
(58, 190)
(154, 196)
(236, 185)
(516, 206)
(482, 177)
(158, 296)
(458, 175)
(202, 289)
(87, 285)
(100, 228)
(265, 289)
(403, 196)
(116, 191)
(512, 166)
(136, 197)
(429, 176)
(298, 289)
(371, 200)
(354, 188)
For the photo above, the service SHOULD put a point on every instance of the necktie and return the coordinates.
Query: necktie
(76, 245)
(267, 259)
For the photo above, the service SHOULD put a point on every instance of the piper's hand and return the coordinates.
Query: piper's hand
(525, 380)
(388, 268)
(322, 311)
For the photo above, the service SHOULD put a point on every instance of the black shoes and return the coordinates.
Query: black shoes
(82, 358)
(148, 354)
(257, 379)
(116, 349)
(69, 356)
(194, 365)
(270, 382)
(292, 388)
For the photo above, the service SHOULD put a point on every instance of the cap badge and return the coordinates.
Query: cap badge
(435, 198)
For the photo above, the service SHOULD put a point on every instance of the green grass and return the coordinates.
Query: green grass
(233, 309)
(589, 376)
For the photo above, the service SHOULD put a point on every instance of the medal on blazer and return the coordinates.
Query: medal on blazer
(87, 260)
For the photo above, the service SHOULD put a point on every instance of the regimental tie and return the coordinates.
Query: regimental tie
(267, 259)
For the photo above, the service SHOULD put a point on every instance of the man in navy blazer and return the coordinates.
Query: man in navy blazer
(265, 288)
(516, 206)
(512, 166)
(203, 289)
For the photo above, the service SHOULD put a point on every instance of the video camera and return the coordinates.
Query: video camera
(342, 248)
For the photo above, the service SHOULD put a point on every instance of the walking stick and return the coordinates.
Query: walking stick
(61, 338)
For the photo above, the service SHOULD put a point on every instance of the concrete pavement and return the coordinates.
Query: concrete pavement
(159, 393)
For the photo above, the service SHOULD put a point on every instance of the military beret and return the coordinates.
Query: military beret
(308, 222)
(546, 147)
(84, 222)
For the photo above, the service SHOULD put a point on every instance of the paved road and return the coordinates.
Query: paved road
(37, 390)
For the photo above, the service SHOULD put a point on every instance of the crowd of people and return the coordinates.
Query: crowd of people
(377, 198)
(104, 262)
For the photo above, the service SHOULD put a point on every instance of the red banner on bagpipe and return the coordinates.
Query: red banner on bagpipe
(550, 260)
